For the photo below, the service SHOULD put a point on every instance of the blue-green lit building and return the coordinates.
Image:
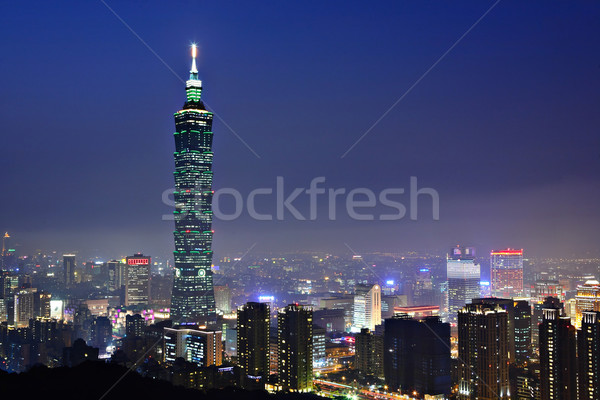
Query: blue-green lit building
(193, 300)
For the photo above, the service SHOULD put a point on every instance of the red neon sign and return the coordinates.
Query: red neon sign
(138, 261)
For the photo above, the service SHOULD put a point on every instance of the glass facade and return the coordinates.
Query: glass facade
(507, 273)
(193, 299)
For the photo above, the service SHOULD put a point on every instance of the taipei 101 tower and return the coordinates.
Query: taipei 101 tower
(193, 301)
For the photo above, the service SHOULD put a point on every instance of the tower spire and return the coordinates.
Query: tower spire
(194, 70)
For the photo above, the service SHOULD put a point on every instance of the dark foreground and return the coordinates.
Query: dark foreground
(93, 381)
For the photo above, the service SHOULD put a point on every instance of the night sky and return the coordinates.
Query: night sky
(506, 127)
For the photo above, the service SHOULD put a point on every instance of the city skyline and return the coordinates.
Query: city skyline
(396, 202)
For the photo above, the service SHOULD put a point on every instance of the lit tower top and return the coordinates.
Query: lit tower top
(193, 86)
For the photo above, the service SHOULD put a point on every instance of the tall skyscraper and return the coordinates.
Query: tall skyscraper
(558, 365)
(588, 354)
(137, 290)
(253, 343)
(69, 269)
(416, 355)
(506, 267)
(367, 306)
(193, 298)
(463, 280)
(295, 348)
(587, 299)
(483, 352)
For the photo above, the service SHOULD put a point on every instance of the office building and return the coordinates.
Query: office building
(69, 269)
(193, 298)
(558, 365)
(116, 275)
(463, 280)
(416, 355)
(319, 346)
(424, 294)
(253, 342)
(223, 299)
(137, 284)
(367, 306)
(587, 299)
(542, 289)
(483, 352)
(332, 320)
(201, 347)
(295, 348)
(506, 267)
(24, 307)
(588, 354)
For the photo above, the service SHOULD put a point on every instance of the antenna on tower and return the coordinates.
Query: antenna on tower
(194, 70)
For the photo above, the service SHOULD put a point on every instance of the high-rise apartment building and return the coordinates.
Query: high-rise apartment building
(368, 357)
(416, 355)
(295, 348)
(483, 353)
(519, 326)
(367, 306)
(193, 298)
(137, 290)
(253, 342)
(506, 267)
(463, 280)
(558, 365)
(588, 354)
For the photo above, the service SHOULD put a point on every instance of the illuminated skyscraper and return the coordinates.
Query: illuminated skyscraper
(588, 354)
(463, 280)
(295, 348)
(137, 284)
(587, 299)
(367, 306)
(506, 268)
(253, 343)
(558, 362)
(483, 352)
(193, 298)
